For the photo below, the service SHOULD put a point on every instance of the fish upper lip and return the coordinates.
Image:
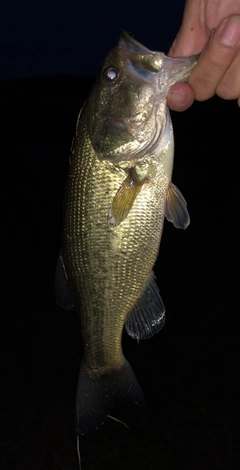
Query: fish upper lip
(126, 40)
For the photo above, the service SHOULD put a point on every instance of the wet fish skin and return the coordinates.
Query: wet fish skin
(117, 194)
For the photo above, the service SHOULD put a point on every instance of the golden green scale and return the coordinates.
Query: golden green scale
(118, 192)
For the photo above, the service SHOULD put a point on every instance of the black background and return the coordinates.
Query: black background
(52, 37)
(189, 372)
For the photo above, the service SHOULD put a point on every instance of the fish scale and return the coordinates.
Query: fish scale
(117, 194)
(119, 259)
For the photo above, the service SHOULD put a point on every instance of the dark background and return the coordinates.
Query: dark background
(52, 37)
(189, 372)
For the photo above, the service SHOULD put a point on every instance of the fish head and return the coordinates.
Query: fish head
(125, 114)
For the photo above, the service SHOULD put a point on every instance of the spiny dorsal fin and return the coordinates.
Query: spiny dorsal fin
(176, 208)
(124, 198)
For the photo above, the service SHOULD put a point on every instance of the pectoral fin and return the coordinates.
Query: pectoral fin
(148, 314)
(176, 208)
(124, 198)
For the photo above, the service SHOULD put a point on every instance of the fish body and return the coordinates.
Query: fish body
(117, 194)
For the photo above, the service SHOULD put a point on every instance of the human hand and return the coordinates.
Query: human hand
(211, 28)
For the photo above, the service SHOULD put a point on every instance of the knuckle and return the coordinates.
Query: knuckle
(226, 92)
(220, 57)
(203, 91)
(217, 61)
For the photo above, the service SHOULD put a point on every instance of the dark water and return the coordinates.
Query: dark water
(189, 372)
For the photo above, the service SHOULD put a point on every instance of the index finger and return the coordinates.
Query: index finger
(216, 58)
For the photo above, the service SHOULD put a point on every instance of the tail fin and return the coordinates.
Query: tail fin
(97, 393)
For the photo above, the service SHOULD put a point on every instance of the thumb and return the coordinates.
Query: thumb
(193, 34)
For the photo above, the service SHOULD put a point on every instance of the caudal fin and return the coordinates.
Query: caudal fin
(98, 393)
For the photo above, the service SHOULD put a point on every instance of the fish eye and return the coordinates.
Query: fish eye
(111, 74)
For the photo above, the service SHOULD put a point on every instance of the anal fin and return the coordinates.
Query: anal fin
(148, 314)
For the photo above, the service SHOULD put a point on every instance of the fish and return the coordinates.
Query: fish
(117, 195)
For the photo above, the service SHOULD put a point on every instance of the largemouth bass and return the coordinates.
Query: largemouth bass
(117, 194)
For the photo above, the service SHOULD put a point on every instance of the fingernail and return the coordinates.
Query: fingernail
(231, 32)
(178, 97)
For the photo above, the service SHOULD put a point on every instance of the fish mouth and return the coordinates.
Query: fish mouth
(133, 126)
(171, 70)
(140, 55)
(129, 43)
